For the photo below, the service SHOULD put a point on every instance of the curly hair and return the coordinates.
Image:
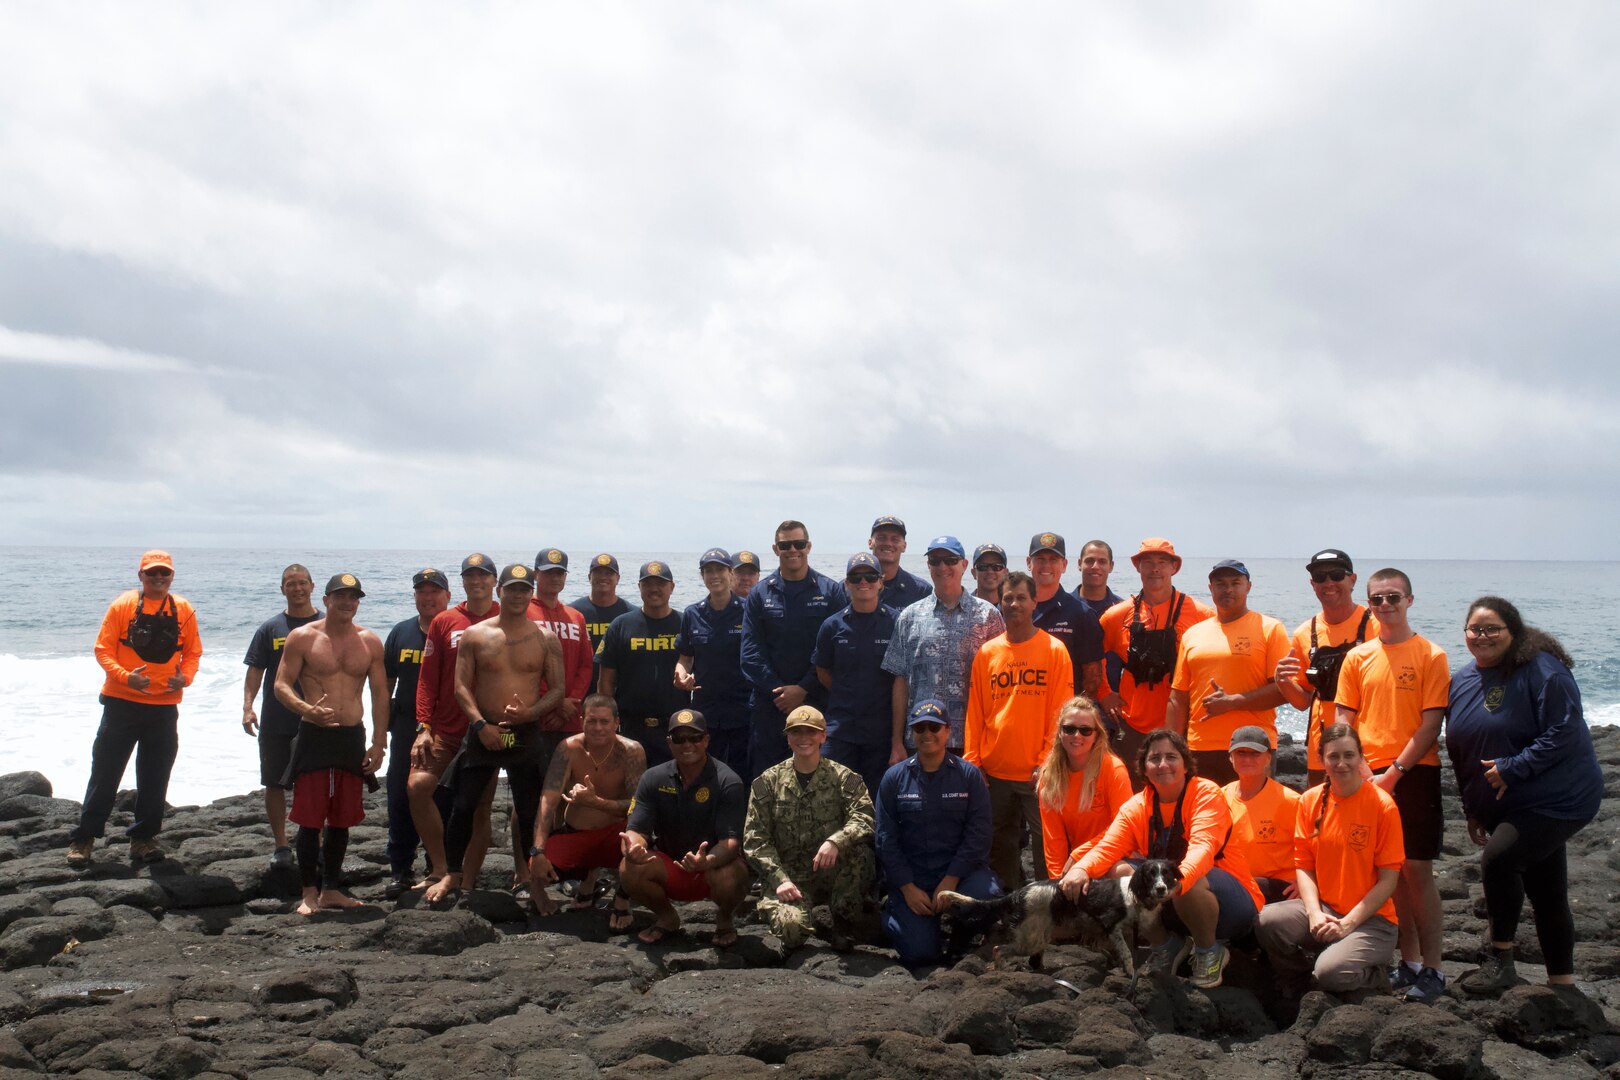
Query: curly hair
(1528, 642)
(1175, 739)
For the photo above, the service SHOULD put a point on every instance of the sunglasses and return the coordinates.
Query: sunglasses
(1319, 576)
(686, 739)
(927, 729)
(1078, 729)
(792, 545)
(1379, 599)
(157, 573)
(943, 560)
(990, 568)
(863, 579)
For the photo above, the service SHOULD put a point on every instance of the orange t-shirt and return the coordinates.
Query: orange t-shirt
(1389, 687)
(1071, 832)
(1264, 828)
(1013, 703)
(1145, 705)
(1240, 655)
(1208, 824)
(1323, 711)
(118, 659)
(1359, 836)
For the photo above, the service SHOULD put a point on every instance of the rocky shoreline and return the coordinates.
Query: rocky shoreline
(197, 966)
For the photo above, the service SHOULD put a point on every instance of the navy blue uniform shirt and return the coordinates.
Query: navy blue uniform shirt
(780, 621)
(906, 588)
(1066, 619)
(676, 819)
(713, 639)
(851, 646)
(932, 825)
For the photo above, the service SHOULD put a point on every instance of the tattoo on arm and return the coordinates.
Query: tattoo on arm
(557, 773)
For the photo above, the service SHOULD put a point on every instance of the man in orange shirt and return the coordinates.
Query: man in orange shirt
(1394, 690)
(1142, 636)
(1223, 677)
(1309, 675)
(149, 648)
(1020, 678)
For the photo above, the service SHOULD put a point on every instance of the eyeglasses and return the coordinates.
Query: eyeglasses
(864, 579)
(1486, 632)
(792, 545)
(157, 573)
(944, 560)
(1083, 730)
(686, 738)
(1379, 599)
(990, 568)
(1319, 576)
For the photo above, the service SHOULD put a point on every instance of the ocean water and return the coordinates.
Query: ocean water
(55, 599)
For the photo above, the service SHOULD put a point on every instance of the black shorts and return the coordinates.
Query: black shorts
(275, 754)
(1417, 796)
(1213, 765)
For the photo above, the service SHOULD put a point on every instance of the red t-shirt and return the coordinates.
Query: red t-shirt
(578, 659)
(436, 688)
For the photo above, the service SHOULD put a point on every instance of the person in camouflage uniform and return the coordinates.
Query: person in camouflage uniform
(808, 835)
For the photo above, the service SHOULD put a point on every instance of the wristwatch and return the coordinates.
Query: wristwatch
(478, 725)
(533, 851)
(1399, 767)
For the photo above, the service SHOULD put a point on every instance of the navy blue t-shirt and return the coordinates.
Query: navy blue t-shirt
(1066, 619)
(851, 646)
(402, 662)
(906, 589)
(641, 652)
(1113, 665)
(713, 639)
(597, 621)
(264, 651)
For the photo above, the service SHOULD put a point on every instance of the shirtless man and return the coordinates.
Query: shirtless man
(501, 666)
(332, 660)
(591, 778)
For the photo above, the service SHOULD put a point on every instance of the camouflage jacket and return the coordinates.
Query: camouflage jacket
(788, 822)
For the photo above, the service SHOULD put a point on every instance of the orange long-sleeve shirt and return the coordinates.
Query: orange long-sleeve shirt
(1013, 702)
(1071, 831)
(118, 659)
(1207, 821)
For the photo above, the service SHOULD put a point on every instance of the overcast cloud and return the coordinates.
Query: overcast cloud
(1260, 277)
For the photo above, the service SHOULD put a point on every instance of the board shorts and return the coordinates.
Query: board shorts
(682, 885)
(327, 797)
(573, 852)
(275, 754)
(435, 754)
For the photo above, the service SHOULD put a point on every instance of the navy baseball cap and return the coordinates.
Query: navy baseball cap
(344, 583)
(1048, 542)
(1230, 564)
(988, 549)
(656, 569)
(551, 559)
(715, 556)
(889, 521)
(947, 543)
(687, 720)
(517, 574)
(605, 561)
(864, 560)
(480, 562)
(928, 711)
(745, 558)
(430, 576)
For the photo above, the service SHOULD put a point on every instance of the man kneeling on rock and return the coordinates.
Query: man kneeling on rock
(808, 835)
(331, 661)
(684, 838)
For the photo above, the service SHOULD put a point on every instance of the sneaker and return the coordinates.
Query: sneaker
(78, 856)
(1496, 973)
(145, 851)
(1428, 988)
(1401, 978)
(1207, 966)
(1167, 956)
(397, 886)
(281, 859)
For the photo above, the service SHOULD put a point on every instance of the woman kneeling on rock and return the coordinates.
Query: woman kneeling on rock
(1348, 851)
(1530, 780)
(1182, 817)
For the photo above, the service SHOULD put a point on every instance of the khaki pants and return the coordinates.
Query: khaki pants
(1354, 962)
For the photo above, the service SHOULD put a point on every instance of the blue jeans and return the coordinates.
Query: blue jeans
(151, 732)
(916, 937)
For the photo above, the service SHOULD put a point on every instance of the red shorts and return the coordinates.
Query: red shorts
(573, 853)
(327, 797)
(682, 885)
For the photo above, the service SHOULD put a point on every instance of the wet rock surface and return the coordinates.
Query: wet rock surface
(198, 966)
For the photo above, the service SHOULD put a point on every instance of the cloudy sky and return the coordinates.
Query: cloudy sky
(1259, 277)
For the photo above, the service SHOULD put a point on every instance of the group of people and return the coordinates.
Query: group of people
(832, 741)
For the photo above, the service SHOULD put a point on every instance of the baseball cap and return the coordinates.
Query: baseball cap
(988, 549)
(1331, 557)
(605, 561)
(805, 716)
(889, 521)
(430, 576)
(927, 711)
(656, 569)
(687, 720)
(517, 574)
(713, 557)
(344, 583)
(1048, 542)
(745, 558)
(551, 559)
(157, 559)
(1250, 737)
(1156, 545)
(947, 543)
(1230, 564)
(864, 560)
(478, 561)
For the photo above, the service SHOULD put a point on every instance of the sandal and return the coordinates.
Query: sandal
(656, 935)
(724, 937)
(620, 919)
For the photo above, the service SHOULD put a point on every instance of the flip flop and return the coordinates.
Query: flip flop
(655, 934)
(724, 938)
(520, 891)
(621, 919)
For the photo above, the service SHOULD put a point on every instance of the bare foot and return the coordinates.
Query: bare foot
(332, 900)
(724, 936)
(442, 892)
(306, 909)
(620, 919)
(656, 933)
(543, 903)
(427, 882)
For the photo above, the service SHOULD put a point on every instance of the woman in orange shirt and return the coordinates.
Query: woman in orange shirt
(1348, 850)
(1182, 817)
(1080, 770)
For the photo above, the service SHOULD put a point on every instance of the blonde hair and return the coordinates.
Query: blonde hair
(1053, 781)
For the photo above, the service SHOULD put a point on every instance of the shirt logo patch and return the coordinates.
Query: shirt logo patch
(1407, 679)
(1359, 835)
(1494, 697)
(1265, 831)
(701, 795)
(651, 721)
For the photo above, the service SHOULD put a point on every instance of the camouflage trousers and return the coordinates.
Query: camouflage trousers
(843, 889)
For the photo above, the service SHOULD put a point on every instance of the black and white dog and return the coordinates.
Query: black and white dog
(1040, 914)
